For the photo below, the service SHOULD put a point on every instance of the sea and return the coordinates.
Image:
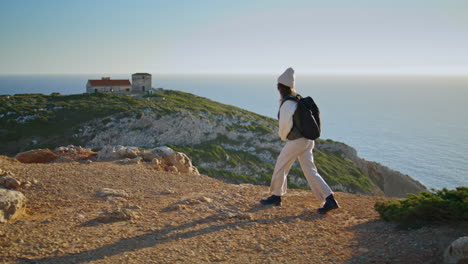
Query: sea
(417, 125)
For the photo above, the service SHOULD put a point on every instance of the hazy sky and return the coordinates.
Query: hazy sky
(355, 37)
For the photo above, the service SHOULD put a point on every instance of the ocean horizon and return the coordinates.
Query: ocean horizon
(413, 124)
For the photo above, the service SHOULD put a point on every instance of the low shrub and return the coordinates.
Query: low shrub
(427, 207)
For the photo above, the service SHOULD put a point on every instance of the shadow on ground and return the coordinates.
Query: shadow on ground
(383, 242)
(164, 236)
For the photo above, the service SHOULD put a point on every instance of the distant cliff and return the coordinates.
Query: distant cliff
(223, 141)
(391, 182)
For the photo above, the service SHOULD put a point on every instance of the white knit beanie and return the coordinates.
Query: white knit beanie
(287, 78)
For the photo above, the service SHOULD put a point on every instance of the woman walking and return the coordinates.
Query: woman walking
(298, 147)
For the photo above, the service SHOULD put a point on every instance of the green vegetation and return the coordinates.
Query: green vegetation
(55, 117)
(427, 207)
(187, 101)
(336, 170)
(331, 167)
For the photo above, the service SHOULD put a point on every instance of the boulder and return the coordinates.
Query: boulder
(182, 162)
(108, 153)
(457, 252)
(127, 152)
(36, 156)
(171, 160)
(156, 153)
(12, 205)
(132, 152)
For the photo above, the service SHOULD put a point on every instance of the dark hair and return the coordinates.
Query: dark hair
(284, 90)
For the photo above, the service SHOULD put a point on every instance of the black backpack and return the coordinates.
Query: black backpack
(308, 115)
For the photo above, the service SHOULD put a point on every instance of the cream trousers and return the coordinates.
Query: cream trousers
(302, 149)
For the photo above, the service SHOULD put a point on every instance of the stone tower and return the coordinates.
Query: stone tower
(141, 82)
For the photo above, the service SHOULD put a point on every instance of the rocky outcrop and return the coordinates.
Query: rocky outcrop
(74, 153)
(162, 158)
(36, 156)
(185, 128)
(392, 183)
(12, 204)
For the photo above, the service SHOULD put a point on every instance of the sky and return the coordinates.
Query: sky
(219, 36)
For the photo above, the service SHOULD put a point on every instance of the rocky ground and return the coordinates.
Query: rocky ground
(161, 217)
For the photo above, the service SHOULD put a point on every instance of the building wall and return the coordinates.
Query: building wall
(141, 83)
(108, 89)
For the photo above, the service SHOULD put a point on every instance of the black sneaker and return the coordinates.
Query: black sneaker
(272, 200)
(330, 204)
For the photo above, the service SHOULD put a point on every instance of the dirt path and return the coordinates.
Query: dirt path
(196, 219)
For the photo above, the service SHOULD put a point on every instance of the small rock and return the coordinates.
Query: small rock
(115, 200)
(363, 250)
(117, 215)
(180, 207)
(280, 238)
(112, 192)
(205, 199)
(9, 182)
(245, 216)
(134, 207)
(227, 215)
(192, 201)
(26, 184)
(167, 191)
(80, 216)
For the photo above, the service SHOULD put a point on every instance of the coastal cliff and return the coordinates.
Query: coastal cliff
(225, 142)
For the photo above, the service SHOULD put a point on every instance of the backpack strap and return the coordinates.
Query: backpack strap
(292, 98)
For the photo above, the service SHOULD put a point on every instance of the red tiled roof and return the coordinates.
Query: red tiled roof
(110, 83)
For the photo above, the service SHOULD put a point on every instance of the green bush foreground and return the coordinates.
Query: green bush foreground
(434, 207)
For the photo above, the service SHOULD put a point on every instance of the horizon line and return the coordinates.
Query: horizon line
(253, 73)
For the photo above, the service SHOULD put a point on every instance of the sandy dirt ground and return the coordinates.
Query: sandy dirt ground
(182, 218)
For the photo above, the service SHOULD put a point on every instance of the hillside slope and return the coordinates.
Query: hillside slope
(186, 218)
(223, 141)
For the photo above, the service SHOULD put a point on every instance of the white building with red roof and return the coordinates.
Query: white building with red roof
(141, 84)
(106, 85)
